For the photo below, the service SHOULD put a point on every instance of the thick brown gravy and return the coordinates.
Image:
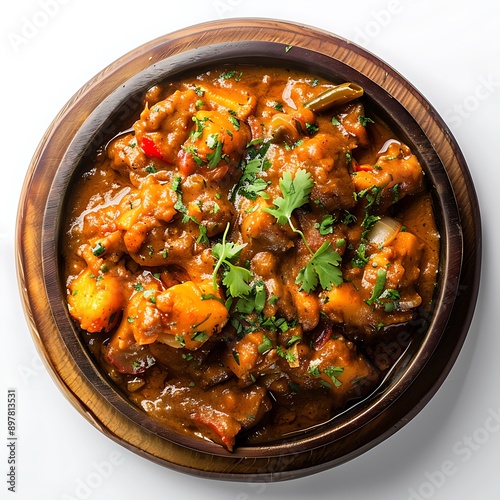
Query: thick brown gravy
(239, 262)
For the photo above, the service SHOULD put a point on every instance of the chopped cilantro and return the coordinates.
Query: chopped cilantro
(379, 286)
(265, 346)
(360, 259)
(202, 237)
(250, 185)
(236, 356)
(198, 131)
(293, 340)
(314, 370)
(287, 355)
(235, 278)
(99, 249)
(311, 128)
(364, 120)
(199, 336)
(372, 195)
(235, 122)
(333, 372)
(227, 75)
(215, 157)
(326, 225)
(395, 192)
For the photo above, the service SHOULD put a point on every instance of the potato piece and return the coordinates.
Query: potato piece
(238, 100)
(344, 304)
(95, 301)
(219, 139)
(189, 318)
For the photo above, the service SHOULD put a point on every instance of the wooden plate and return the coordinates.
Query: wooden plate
(88, 120)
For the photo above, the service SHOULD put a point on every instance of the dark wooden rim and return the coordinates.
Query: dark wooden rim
(78, 124)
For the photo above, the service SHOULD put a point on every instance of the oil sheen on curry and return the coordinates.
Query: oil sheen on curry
(241, 258)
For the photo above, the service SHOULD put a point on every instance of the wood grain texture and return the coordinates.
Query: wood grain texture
(50, 173)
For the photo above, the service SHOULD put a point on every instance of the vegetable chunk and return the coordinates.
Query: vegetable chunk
(95, 301)
(190, 315)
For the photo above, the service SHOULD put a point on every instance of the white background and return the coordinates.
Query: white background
(450, 51)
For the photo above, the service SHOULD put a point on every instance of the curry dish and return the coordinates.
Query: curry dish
(239, 259)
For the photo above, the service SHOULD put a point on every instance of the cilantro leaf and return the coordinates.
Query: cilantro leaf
(215, 157)
(235, 278)
(226, 250)
(364, 120)
(250, 185)
(265, 346)
(379, 286)
(333, 372)
(326, 225)
(323, 268)
(360, 259)
(295, 192)
(254, 190)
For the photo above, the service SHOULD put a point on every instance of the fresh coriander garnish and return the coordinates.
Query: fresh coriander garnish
(287, 355)
(333, 372)
(199, 336)
(364, 120)
(265, 346)
(311, 128)
(215, 157)
(373, 196)
(235, 278)
(326, 225)
(99, 249)
(379, 286)
(360, 259)
(295, 192)
(323, 267)
(235, 122)
(250, 185)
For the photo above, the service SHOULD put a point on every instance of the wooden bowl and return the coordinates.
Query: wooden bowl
(90, 118)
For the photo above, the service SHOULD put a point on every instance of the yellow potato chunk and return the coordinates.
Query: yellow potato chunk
(95, 301)
(191, 314)
(344, 304)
